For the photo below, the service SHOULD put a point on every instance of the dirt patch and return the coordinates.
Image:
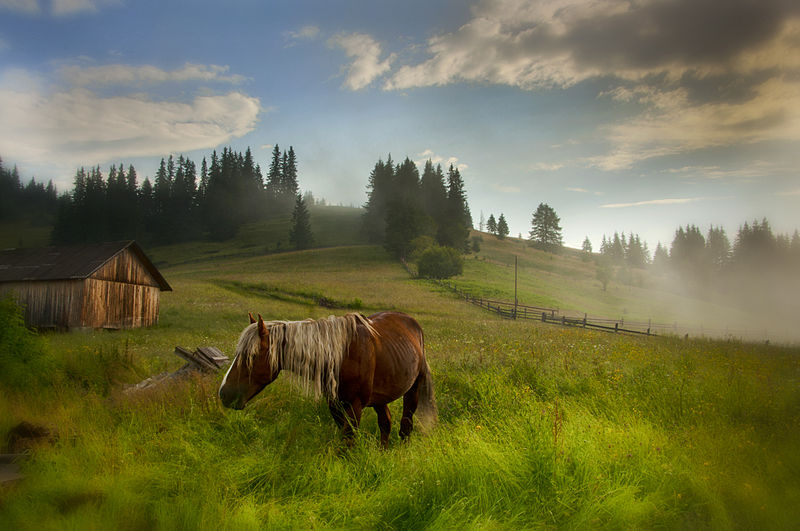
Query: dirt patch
(26, 436)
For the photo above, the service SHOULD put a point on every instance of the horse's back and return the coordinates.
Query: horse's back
(399, 355)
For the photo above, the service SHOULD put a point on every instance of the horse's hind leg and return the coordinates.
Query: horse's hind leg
(384, 423)
(410, 400)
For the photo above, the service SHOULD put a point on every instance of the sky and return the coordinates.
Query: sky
(622, 115)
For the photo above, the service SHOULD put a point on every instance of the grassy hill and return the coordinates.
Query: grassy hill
(539, 426)
(569, 283)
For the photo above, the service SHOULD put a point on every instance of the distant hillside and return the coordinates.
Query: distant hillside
(332, 226)
(569, 283)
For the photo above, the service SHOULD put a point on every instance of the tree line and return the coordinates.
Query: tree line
(403, 206)
(34, 202)
(178, 205)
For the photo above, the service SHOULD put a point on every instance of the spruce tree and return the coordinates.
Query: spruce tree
(274, 176)
(586, 249)
(454, 231)
(379, 191)
(502, 227)
(491, 225)
(546, 231)
(300, 234)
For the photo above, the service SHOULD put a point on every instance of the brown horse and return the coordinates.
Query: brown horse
(352, 360)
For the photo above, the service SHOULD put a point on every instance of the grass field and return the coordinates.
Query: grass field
(539, 426)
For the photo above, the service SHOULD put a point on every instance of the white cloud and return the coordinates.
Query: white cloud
(30, 7)
(71, 7)
(446, 162)
(673, 124)
(676, 60)
(582, 191)
(306, 33)
(547, 166)
(675, 201)
(68, 127)
(365, 53)
(58, 8)
(127, 75)
(505, 189)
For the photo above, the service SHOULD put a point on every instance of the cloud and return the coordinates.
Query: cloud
(789, 193)
(559, 43)
(675, 201)
(58, 8)
(582, 191)
(72, 126)
(127, 75)
(30, 7)
(446, 162)
(365, 53)
(701, 74)
(673, 124)
(547, 166)
(306, 33)
(505, 189)
(72, 7)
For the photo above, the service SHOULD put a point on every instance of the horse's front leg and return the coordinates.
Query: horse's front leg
(337, 412)
(352, 419)
(384, 423)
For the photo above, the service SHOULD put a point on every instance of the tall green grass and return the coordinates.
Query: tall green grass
(539, 426)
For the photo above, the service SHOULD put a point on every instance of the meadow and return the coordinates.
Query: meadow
(539, 426)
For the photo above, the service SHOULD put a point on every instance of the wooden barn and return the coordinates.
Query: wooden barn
(106, 285)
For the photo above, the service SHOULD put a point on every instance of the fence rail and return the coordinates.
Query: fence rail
(510, 310)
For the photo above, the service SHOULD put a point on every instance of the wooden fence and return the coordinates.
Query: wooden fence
(510, 310)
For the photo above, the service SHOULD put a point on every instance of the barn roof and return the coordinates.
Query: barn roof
(69, 263)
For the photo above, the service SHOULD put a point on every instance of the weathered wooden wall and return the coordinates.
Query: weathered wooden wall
(125, 267)
(108, 304)
(49, 304)
(120, 294)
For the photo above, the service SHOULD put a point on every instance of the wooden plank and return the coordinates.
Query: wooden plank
(214, 354)
(199, 362)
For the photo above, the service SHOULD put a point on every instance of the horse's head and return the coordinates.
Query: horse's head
(250, 370)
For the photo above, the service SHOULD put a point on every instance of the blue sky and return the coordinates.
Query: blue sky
(622, 116)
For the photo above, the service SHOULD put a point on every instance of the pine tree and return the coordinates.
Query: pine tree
(454, 231)
(379, 191)
(274, 176)
(586, 249)
(718, 249)
(660, 258)
(546, 231)
(502, 227)
(300, 234)
(434, 193)
(405, 215)
(491, 225)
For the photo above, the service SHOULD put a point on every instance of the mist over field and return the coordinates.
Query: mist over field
(199, 165)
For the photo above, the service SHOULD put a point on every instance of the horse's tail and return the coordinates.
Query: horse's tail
(426, 401)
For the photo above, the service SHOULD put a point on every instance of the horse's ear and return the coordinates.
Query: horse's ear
(262, 329)
(250, 315)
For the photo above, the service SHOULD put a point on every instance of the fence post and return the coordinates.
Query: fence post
(544, 317)
(584, 320)
(616, 327)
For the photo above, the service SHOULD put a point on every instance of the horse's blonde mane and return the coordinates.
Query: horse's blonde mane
(311, 349)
